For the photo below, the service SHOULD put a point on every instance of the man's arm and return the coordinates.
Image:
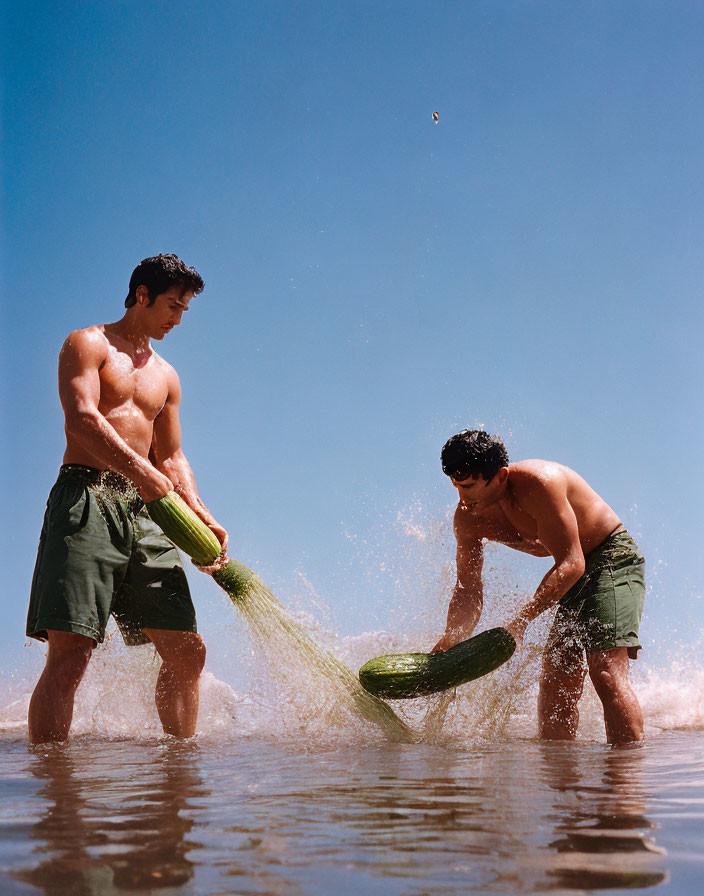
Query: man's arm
(79, 390)
(467, 598)
(167, 455)
(546, 500)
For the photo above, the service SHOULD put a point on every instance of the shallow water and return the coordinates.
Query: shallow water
(287, 788)
(264, 815)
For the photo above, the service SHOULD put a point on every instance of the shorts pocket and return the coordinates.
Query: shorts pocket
(69, 505)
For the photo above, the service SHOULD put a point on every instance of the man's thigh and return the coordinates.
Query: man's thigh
(63, 643)
(604, 664)
(79, 564)
(155, 593)
(564, 666)
(564, 651)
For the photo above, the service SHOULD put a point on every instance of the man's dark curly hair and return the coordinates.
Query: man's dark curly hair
(161, 272)
(473, 453)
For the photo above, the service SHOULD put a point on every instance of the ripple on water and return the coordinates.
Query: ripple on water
(197, 817)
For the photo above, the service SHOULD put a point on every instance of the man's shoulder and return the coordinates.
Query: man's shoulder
(468, 526)
(535, 484)
(169, 374)
(536, 473)
(86, 341)
(93, 335)
(164, 365)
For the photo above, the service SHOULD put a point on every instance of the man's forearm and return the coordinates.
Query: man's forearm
(464, 611)
(180, 473)
(555, 584)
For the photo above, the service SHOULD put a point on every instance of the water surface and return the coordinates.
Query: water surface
(273, 815)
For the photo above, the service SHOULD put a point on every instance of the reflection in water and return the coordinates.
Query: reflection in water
(286, 818)
(111, 828)
(605, 838)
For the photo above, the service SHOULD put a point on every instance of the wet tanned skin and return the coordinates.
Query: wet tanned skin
(121, 405)
(536, 496)
(544, 509)
(132, 392)
(110, 374)
(121, 401)
(535, 506)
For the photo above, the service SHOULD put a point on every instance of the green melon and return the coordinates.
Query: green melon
(404, 675)
(189, 532)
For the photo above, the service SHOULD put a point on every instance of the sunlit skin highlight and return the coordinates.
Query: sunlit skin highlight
(121, 406)
(544, 509)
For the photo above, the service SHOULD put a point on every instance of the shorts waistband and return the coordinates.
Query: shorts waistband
(107, 479)
(619, 530)
(617, 548)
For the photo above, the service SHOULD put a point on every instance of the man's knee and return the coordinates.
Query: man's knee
(68, 658)
(183, 652)
(563, 669)
(608, 670)
(194, 654)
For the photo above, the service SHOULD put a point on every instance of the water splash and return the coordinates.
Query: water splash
(281, 637)
(302, 682)
(288, 699)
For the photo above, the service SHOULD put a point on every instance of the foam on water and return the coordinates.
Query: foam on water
(292, 700)
(302, 675)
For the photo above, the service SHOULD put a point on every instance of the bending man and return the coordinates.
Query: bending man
(546, 509)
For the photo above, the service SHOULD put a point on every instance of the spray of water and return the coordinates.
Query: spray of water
(282, 638)
(301, 678)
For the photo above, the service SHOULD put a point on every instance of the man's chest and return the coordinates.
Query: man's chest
(511, 526)
(123, 382)
(520, 521)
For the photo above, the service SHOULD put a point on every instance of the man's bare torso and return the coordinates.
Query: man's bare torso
(133, 385)
(509, 523)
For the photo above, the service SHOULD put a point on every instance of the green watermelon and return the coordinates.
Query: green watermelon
(403, 675)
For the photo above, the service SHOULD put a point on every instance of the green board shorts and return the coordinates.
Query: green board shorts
(100, 554)
(602, 610)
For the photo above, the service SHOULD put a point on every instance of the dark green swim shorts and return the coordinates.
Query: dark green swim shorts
(100, 553)
(602, 609)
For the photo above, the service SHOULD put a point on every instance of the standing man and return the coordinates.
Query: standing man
(99, 552)
(546, 509)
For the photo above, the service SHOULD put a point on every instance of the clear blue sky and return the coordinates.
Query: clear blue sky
(374, 281)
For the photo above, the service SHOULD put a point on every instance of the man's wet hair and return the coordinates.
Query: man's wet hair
(161, 272)
(473, 453)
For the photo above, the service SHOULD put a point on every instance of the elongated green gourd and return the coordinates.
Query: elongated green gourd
(399, 676)
(188, 532)
(235, 578)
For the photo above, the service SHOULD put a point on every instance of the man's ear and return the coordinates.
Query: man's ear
(142, 294)
(502, 475)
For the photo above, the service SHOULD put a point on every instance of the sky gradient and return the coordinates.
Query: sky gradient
(375, 282)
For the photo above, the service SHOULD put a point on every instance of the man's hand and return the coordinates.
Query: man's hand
(154, 485)
(448, 640)
(219, 533)
(219, 563)
(224, 539)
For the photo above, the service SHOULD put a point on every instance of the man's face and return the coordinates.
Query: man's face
(166, 311)
(476, 494)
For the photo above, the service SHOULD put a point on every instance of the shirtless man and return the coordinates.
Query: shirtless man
(546, 509)
(99, 551)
